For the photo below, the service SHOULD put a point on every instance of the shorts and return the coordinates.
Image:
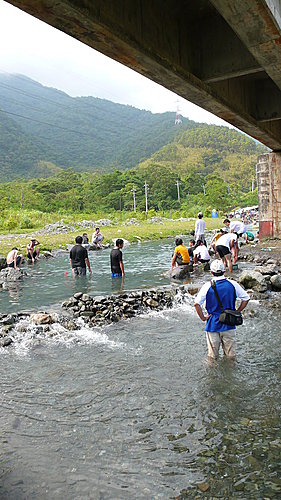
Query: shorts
(203, 261)
(79, 271)
(17, 264)
(33, 257)
(222, 250)
(226, 339)
(116, 275)
(238, 235)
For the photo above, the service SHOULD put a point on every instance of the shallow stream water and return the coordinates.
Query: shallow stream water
(132, 410)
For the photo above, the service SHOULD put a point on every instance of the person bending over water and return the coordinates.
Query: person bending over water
(14, 260)
(79, 258)
(33, 250)
(181, 255)
(218, 333)
(224, 246)
(116, 260)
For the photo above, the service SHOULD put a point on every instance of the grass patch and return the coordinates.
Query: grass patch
(144, 232)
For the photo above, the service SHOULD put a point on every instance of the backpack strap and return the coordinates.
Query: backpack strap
(213, 285)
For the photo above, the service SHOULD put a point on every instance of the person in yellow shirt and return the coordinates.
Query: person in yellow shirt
(181, 255)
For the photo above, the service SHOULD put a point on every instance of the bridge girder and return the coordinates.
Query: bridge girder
(222, 55)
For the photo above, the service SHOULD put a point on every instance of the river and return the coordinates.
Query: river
(132, 410)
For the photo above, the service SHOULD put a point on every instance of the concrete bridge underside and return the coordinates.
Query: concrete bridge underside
(222, 55)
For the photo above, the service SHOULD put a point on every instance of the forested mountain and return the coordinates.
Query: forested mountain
(84, 133)
(214, 165)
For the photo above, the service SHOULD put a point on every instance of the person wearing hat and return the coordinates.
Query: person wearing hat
(217, 333)
(200, 230)
(32, 251)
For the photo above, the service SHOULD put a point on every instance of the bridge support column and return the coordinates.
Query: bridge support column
(269, 193)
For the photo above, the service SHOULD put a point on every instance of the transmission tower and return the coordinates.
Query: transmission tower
(178, 119)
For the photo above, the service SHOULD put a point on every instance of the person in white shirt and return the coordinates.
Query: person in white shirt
(224, 246)
(237, 227)
(217, 333)
(200, 229)
(201, 254)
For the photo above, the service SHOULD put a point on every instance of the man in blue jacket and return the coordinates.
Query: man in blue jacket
(218, 333)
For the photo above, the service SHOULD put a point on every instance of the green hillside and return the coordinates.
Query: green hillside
(215, 169)
(84, 133)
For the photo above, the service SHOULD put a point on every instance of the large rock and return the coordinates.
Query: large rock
(276, 282)
(41, 318)
(254, 280)
(11, 274)
(3, 262)
(267, 269)
(181, 272)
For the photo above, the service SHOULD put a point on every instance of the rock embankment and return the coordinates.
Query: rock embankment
(107, 309)
(264, 278)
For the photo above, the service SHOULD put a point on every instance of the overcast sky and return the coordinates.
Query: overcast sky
(32, 48)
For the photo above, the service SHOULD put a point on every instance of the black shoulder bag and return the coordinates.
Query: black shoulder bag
(229, 317)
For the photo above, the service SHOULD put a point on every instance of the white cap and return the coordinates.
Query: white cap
(217, 267)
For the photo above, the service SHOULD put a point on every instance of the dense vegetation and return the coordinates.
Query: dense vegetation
(215, 166)
(85, 133)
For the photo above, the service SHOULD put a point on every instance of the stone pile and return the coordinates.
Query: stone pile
(107, 309)
(40, 322)
(9, 274)
(263, 278)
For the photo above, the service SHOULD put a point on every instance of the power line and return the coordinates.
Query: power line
(45, 123)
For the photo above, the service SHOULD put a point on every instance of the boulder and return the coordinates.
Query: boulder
(181, 272)
(126, 242)
(267, 269)
(276, 281)
(3, 262)
(41, 318)
(11, 274)
(254, 280)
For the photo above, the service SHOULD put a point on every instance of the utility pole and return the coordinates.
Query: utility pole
(178, 188)
(134, 198)
(253, 181)
(146, 188)
(203, 186)
(121, 205)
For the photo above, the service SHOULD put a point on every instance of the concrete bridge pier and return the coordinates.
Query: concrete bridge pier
(269, 193)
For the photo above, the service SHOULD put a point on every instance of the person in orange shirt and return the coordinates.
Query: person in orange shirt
(181, 255)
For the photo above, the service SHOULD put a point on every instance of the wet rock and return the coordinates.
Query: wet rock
(10, 274)
(276, 282)
(78, 295)
(3, 262)
(41, 318)
(193, 290)
(180, 272)
(8, 320)
(203, 486)
(254, 280)
(6, 341)
(47, 254)
(5, 330)
(152, 303)
(270, 269)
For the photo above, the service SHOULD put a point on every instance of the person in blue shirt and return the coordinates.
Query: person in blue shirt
(217, 333)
